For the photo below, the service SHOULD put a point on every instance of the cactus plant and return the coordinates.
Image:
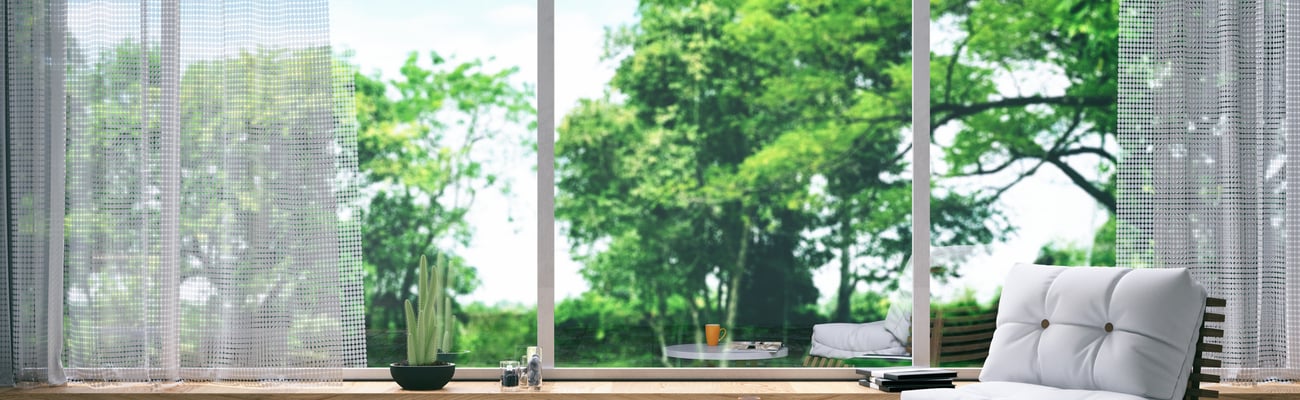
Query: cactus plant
(429, 331)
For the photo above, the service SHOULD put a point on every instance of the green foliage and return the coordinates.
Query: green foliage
(965, 303)
(743, 145)
(1101, 252)
(1103, 244)
(1023, 133)
(231, 136)
(428, 143)
(867, 305)
(496, 332)
(1055, 253)
(424, 142)
(604, 330)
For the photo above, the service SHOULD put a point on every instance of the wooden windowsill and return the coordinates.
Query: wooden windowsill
(622, 390)
(552, 390)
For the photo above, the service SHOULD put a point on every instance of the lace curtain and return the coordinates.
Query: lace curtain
(181, 190)
(1209, 144)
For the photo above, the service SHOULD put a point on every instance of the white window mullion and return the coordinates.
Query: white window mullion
(920, 182)
(546, 181)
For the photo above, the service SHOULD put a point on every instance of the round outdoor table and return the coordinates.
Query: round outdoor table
(701, 351)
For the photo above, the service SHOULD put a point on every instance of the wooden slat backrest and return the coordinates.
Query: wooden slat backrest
(822, 362)
(961, 334)
(1194, 390)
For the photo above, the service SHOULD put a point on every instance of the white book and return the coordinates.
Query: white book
(870, 372)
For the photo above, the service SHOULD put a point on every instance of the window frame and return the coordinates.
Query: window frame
(546, 234)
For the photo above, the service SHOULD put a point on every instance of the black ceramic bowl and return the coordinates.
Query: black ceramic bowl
(422, 377)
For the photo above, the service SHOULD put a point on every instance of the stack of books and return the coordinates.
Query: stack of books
(897, 379)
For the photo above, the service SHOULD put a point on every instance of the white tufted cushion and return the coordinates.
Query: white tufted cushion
(843, 340)
(1013, 391)
(898, 322)
(1155, 315)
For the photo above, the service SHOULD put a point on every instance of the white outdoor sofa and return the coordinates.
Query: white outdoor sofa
(1090, 333)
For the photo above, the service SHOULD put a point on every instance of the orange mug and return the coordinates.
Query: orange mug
(714, 333)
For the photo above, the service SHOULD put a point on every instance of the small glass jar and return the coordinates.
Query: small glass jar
(510, 376)
(531, 379)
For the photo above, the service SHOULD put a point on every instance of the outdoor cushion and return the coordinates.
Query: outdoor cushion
(845, 340)
(1089, 333)
(1013, 391)
(898, 321)
(1095, 328)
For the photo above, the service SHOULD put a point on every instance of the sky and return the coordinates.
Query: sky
(382, 32)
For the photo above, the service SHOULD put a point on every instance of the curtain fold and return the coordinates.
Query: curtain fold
(1208, 145)
(34, 145)
(210, 191)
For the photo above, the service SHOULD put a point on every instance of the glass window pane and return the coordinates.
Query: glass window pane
(446, 130)
(1023, 154)
(741, 163)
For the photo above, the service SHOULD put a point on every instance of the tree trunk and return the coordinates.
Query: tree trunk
(656, 325)
(738, 271)
(844, 293)
(696, 327)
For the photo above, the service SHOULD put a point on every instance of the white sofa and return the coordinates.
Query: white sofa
(1075, 333)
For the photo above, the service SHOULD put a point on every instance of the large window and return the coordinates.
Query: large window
(742, 163)
(446, 112)
(1023, 153)
(736, 163)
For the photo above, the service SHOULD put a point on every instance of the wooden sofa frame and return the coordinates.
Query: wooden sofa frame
(967, 336)
(1194, 390)
(961, 334)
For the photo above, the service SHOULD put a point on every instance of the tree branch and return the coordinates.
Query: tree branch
(1098, 194)
(1089, 150)
(957, 111)
(952, 63)
(1069, 132)
(981, 171)
(1020, 177)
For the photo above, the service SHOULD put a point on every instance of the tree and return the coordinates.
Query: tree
(424, 145)
(754, 142)
(231, 188)
(1017, 135)
(1080, 37)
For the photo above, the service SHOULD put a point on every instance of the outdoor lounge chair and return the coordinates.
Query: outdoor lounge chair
(888, 337)
(1073, 333)
(958, 336)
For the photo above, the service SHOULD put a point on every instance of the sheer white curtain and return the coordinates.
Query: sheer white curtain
(207, 199)
(1209, 145)
(33, 127)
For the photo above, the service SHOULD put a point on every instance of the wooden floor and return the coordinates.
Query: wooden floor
(551, 390)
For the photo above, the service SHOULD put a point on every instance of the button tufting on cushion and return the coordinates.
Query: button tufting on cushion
(1160, 310)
